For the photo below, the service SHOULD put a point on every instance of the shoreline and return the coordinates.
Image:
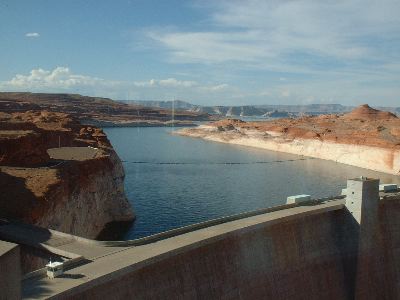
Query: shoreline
(368, 157)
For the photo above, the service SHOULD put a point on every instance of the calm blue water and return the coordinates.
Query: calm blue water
(201, 187)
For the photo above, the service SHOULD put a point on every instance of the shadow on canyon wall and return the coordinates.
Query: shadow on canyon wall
(16, 200)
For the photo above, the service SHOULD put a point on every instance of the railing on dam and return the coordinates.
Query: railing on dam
(185, 229)
(177, 231)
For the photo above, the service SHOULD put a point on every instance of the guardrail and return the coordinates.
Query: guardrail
(185, 229)
(76, 260)
(178, 231)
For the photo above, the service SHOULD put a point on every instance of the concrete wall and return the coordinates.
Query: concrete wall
(377, 240)
(311, 257)
(10, 271)
(387, 265)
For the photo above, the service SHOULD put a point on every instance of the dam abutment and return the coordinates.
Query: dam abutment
(375, 276)
(10, 271)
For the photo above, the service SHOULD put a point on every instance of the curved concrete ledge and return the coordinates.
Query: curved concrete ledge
(15, 232)
(189, 228)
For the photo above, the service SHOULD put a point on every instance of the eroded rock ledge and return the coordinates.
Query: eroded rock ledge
(365, 137)
(59, 174)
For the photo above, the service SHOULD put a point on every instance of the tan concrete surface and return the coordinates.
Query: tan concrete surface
(5, 247)
(10, 271)
(59, 243)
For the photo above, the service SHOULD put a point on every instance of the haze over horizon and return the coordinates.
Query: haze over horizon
(205, 52)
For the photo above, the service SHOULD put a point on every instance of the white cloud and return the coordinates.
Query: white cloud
(32, 35)
(279, 34)
(64, 78)
(169, 82)
(216, 88)
(285, 93)
(210, 47)
(149, 83)
(172, 82)
(60, 77)
(335, 50)
(351, 89)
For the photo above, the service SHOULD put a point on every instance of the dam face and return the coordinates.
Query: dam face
(304, 251)
(312, 257)
(10, 271)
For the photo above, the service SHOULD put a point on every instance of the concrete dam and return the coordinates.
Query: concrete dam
(345, 247)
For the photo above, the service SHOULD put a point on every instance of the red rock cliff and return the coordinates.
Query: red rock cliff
(59, 174)
(366, 137)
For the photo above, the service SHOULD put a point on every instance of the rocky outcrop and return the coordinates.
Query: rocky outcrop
(365, 137)
(59, 174)
(365, 112)
(91, 194)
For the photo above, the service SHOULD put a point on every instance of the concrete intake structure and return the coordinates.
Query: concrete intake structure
(307, 250)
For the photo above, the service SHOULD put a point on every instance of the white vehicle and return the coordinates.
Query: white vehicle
(54, 269)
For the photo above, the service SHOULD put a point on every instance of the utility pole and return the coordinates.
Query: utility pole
(173, 112)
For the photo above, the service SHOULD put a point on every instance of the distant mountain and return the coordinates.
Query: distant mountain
(271, 111)
(176, 104)
(310, 108)
(230, 111)
(278, 114)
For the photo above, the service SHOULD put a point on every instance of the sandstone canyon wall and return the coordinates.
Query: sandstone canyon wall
(76, 189)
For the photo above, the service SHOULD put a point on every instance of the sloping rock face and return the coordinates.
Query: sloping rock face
(365, 137)
(365, 112)
(80, 191)
(91, 193)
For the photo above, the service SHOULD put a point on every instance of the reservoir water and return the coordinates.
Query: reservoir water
(173, 181)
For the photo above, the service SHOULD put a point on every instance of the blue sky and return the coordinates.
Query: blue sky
(216, 52)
